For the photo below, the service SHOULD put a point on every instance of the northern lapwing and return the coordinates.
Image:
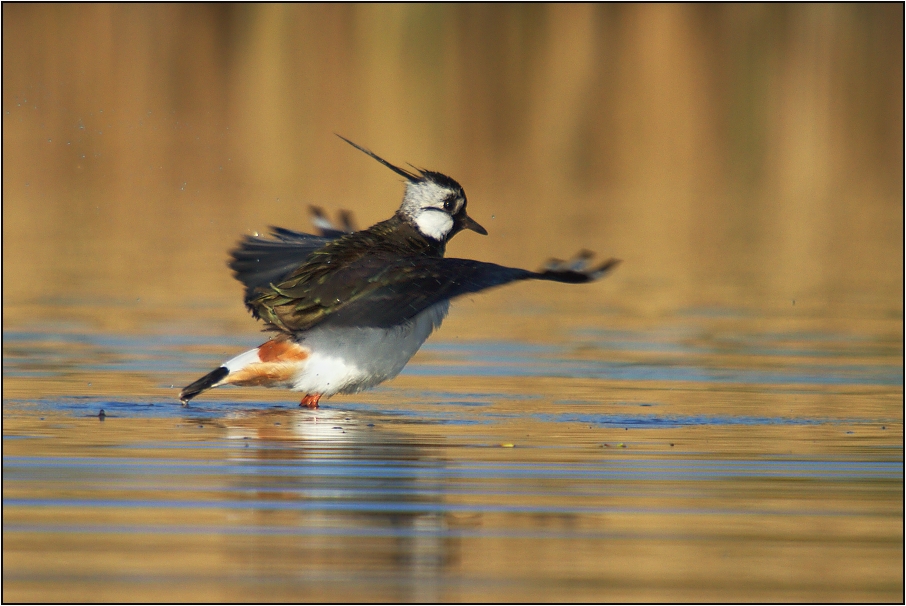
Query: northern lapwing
(350, 308)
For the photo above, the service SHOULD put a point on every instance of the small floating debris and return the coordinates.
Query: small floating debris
(507, 445)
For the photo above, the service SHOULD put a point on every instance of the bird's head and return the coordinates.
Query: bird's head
(433, 203)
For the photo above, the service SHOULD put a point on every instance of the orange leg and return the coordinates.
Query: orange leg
(310, 401)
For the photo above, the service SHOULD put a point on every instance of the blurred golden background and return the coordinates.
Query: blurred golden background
(719, 420)
(727, 153)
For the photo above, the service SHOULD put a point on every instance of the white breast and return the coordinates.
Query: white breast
(347, 360)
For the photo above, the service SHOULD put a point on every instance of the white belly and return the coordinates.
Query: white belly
(347, 360)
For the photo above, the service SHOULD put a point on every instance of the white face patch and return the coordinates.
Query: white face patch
(434, 224)
(423, 204)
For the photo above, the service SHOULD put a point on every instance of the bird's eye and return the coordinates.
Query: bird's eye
(450, 204)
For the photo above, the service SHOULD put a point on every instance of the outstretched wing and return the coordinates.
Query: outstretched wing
(259, 261)
(383, 291)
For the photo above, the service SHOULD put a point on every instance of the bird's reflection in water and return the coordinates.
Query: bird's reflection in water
(350, 495)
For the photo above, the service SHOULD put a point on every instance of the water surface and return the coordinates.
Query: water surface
(697, 456)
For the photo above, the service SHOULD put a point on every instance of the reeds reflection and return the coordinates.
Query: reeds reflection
(737, 151)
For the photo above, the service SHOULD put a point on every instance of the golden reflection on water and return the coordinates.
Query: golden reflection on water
(719, 420)
(270, 505)
(729, 152)
(490, 470)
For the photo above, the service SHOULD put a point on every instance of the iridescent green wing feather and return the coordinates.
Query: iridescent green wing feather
(341, 271)
(383, 289)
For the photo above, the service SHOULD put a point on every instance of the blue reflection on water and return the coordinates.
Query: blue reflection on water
(492, 366)
(33, 354)
(364, 471)
(466, 411)
(653, 421)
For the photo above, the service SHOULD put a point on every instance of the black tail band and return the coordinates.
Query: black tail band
(206, 382)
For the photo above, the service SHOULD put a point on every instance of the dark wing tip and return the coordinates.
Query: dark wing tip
(320, 221)
(605, 267)
(347, 223)
(576, 270)
(327, 228)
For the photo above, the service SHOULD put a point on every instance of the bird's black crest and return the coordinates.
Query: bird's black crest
(442, 179)
(423, 175)
(400, 171)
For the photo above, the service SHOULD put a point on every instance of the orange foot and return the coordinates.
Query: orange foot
(310, 401)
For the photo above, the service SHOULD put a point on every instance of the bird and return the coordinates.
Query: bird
(348, 308)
